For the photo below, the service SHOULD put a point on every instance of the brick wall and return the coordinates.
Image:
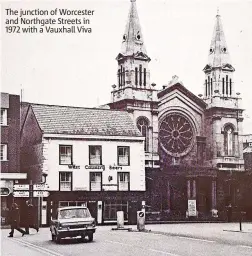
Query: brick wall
(10, 135)
(31, 147)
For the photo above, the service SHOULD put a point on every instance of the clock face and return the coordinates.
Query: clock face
(176, 135)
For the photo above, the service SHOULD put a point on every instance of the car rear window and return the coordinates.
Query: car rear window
(74, 213)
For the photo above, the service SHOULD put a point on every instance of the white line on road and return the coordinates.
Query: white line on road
(196, 239)
(38, 248)
(246, 246)
(166, 253)
(149, 249)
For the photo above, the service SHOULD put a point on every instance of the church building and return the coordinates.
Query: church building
(193, 144)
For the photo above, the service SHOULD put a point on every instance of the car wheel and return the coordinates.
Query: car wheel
(90, 237)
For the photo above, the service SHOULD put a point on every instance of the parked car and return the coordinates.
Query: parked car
(72, 222)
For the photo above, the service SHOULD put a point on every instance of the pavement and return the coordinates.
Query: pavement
(224, 232)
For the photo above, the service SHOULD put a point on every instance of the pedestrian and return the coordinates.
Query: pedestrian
(15, 220)
(30, 217)
(229, 212)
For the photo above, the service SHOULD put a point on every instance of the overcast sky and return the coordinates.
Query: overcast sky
(79, 69)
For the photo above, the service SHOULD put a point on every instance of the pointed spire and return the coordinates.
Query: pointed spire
(133, 39)
(218, 52)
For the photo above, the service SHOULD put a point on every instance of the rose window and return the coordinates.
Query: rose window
(176, 135)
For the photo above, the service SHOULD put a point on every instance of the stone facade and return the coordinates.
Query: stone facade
(197, 140)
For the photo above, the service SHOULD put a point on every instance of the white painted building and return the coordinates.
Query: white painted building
(91, 156)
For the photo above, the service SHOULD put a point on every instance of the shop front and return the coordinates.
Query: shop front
(102, 205)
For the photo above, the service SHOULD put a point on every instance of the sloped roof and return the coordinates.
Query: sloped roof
(84, 121)
(185, 91)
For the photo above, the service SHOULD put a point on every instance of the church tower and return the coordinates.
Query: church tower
(219, 85)
(223, 116)
(133, 91)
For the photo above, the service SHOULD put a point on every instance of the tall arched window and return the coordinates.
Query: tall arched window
(229, 140)
(227, 84)
(143, 126)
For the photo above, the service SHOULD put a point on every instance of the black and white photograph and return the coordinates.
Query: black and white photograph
(126, 127)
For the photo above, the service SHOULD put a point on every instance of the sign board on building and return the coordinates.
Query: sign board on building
(5, 191)
(21, 194)
(40, 187)
(109, 187)
(21, 187)
(40, 193)
(192, 210)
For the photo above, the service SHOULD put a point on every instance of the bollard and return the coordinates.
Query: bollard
(120, 219)
(140, 220)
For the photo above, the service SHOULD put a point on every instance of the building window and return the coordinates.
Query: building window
(95, 155)
(211, 86)
(140, 75)
(123, 181)
(136, 76)
(144, 77)
(123, 76)
(65, 154)
(95, 181)
(223, 86)
(143, 126)
(121, 72)
(229, 141)
(72, 203)
(230, 86)
(119, 77)
(227, 85)
(123, 154)
(3, 116)
(65, 181)
(112, 207)
(206, 87)
(3, 152)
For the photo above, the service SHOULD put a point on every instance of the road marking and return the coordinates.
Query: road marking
(114, 242)
(246, 246)
(38, 248)
(144, 248)
(166, 253)
(197, 239)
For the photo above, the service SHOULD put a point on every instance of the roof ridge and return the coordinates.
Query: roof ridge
(79, 107)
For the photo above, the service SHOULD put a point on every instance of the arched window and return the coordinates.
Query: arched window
(223, 85)
(140, 75)
(143, 126)
(206, 87)
(229, 140)
(136, 76)
(227, 85)
(230, 85)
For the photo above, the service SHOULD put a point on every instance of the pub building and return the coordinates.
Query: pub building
(92, 157)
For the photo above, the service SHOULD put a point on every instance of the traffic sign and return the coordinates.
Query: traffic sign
(21, 194)
(40, 193)
(40, 186)
(141, 214)
(21, 187)
(5, 191)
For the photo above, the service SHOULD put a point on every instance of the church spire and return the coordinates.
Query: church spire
(132, 41)
(218, 71)
(218, 52)
(133, 71)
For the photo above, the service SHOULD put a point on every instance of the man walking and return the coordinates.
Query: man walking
(15, 220)
(30, 220)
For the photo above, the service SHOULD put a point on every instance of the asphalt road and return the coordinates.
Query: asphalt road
(108, 243)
